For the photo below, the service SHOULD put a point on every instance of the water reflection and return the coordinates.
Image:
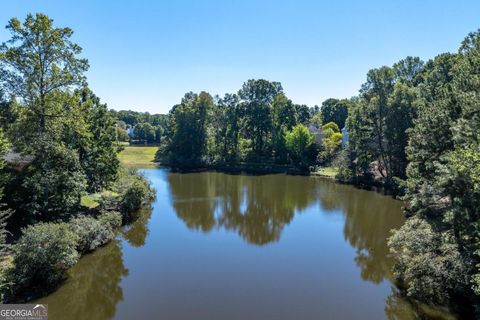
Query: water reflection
(256, 207)
(259, 207)
(93, 289)
(312, 273)
(136, 233)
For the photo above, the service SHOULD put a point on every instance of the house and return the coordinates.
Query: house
(17, 160)
(316, 132)
(130, 131)
(344, 137)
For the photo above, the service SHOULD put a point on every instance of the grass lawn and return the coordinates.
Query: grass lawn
(138, 157)
(329, 172)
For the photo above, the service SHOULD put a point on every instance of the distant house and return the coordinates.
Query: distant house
(316, 132)
(344, 137)
(130, 131)
(17, 160)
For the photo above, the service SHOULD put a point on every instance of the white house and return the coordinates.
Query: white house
(130, 131)
(317, 133)
(344, 137)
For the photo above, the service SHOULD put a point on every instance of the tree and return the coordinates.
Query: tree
(334, 110)
(298, 142)
(443, 183)
(51, 186)
(38, 60)
(258, 96)
(122, 134)
(332, 139)
(303, 113)
(145, 131)
(39, 65)
(379, 121)
(98, 151)
(226, 125)
(189, 126)
(5, 214)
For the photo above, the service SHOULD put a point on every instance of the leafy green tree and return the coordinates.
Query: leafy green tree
(189, 127)
(40, 64)
(159, 132)
(122, 135)
(334, 110)
(5, 214)
(303, 113)
(51, 186)
(41, 258)
(258, 97)
(98, 150)
(299, 142)
(443, 183)
(332, 138)
(379, 121)
(226, 125)
(39, 60)
(145, 131)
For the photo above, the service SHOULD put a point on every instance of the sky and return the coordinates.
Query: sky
(145, 55)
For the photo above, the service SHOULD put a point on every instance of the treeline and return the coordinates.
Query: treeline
(258, 125)
(438, 248)
(60, 179)
(147, 128)
(413, 128)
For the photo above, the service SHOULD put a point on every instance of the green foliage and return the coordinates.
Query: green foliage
(429, 263)
(41, 257)
(5, 214)
(248, 127)
(188, 145)
(66, 136)
(331, 143)
(52, 184)
(334, 110)
(299, 142)
(379, 120)
(145, 132)
(91, 233)
(438, 247)
(331, 126)
(134, 190)
(38, 61)
(111, 221)
(132, 118)
(258, 96)
(122, 134)
(98, 146)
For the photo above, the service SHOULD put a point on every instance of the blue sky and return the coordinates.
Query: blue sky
(144, 55)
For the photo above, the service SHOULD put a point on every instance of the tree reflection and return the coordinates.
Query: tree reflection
(93, 289)
(137, 232)
(259, 207)
(256, 207)
(398, 307)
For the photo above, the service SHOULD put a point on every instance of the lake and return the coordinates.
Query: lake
(219, 246)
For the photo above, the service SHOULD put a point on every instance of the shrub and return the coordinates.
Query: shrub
(134, 190)
(111, 221)
(133, 198)
(90, 231)
(41, 257)
(429, 264)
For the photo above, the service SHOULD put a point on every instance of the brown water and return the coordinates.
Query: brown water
(217, 246)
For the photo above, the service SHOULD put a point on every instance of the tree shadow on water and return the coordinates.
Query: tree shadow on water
(92, 290)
